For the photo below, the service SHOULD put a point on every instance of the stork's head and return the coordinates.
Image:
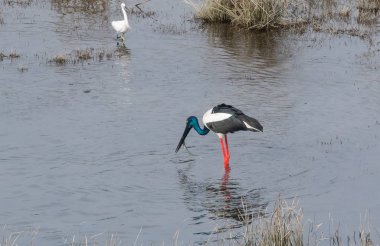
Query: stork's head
(190, 123)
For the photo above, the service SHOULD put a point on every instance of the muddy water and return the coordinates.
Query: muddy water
(87, 148)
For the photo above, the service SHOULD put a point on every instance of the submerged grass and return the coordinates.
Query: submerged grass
(11, 55)
(81, 56)
(59, 60)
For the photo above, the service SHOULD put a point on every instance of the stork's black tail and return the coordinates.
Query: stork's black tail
(252, 124)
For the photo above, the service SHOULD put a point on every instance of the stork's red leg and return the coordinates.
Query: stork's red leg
(227, 149)
(225, 153)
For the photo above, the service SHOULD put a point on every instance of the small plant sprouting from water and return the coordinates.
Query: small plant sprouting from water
(84, 54)
(11, 55)
(59, 60)
(14, 55)
(1, 19)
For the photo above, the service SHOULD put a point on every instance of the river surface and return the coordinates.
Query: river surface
(87, 147)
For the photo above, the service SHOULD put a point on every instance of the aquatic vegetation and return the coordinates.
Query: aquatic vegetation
(13, 55)
(283, 227)
(83, 54)
(1, 18)
(88, 7)
(368, 11)
(59, 60)
(2, 55)
(23, 3)
(251, 14)
(80, 56)
(328, 16)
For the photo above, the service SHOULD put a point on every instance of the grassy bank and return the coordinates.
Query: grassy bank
(256, 14)
(326, 15)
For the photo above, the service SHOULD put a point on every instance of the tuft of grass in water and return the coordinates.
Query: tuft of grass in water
(110, 240)
(59, 60)
(2, 55)
(282, 227)
(251, 14)
(14, 55)
(83, 54)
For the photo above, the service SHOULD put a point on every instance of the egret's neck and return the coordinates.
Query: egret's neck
(199, 130)
(125, 14)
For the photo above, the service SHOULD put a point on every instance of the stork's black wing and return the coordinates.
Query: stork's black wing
(237, 122)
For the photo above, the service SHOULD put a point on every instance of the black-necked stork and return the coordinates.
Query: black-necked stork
(221, 119)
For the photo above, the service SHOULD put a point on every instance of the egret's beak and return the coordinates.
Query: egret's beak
(184, 135)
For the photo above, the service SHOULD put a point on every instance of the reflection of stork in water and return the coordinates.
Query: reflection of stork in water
(222, 201)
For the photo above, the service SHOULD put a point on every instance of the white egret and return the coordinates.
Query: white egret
(121, 26)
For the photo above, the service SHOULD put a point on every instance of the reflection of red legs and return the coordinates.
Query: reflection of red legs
(226, 152)
(224, 187)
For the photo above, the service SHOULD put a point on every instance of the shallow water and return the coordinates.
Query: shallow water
(87, 148)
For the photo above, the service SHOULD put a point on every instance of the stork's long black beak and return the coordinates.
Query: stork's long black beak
(184, 135)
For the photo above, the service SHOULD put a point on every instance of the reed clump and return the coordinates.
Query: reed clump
(250, 14)
(84, 54)
(59, 60)
(283, 227)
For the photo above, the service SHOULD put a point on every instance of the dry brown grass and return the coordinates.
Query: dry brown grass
(59, 60)
(251, 14)
(350, 17)
(84, 54)
(283, 226)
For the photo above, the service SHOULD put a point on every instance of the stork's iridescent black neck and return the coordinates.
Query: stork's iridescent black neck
(192, 122)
